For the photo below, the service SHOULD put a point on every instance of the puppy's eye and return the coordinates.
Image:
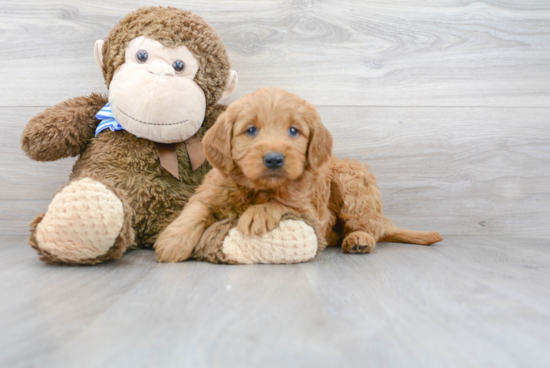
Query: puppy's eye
(142, 56)
(252, 131)
(178, 66)
(293, 132)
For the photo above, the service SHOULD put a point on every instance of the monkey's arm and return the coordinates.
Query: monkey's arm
(62, 130)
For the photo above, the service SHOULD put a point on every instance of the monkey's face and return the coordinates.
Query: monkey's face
(153, 95)
(165, 67)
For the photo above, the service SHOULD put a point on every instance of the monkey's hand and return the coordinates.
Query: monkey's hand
(62, 130)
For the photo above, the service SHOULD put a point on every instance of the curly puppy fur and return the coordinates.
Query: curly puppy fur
(341, 196)
(127, 165)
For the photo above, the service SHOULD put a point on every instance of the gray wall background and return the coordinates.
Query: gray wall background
(447, 101)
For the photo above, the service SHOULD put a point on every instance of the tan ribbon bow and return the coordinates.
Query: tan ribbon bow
(169, 158)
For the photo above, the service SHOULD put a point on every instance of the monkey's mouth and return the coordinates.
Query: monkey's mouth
(146, 123)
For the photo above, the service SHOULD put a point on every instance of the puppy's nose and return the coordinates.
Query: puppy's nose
(274, 160)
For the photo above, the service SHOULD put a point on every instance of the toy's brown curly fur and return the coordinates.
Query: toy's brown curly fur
(125, 164)
(63, 130)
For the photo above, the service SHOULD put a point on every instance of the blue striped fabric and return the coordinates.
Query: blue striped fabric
(107, 120)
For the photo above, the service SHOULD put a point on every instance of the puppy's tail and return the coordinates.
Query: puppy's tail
(397, 235)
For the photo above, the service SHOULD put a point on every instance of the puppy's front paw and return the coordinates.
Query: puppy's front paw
(173, 247)
(258, 220)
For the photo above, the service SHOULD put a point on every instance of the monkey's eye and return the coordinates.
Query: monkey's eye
(293, 132)
(142, 56)
(178, 66)
(252, 131)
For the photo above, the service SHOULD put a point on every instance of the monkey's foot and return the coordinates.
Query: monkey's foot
(83, 225)
(290, 242)
(293, 241)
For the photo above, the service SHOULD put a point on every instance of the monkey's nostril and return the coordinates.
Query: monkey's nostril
(274, 160)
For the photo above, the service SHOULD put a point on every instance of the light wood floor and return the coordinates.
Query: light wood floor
(465, 302)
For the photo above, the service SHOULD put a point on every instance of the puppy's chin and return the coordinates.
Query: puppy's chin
(269, 182)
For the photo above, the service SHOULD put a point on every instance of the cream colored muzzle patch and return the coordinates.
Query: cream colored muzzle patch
(161, 108)
(152, 100)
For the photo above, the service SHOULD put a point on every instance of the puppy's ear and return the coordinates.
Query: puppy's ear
(320, 140)
(217, 143)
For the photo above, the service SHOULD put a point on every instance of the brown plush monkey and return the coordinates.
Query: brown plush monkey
(140, 156)
(166, 70)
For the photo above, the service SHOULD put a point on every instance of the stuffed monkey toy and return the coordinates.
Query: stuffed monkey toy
(139, 150)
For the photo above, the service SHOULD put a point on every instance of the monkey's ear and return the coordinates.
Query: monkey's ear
(98, 53)
(217, 143)
(320, 140)
(231, 86)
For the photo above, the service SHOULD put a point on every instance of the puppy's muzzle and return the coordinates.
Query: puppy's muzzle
(274, 160)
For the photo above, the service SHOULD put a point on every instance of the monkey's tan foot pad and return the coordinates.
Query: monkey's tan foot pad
(81, 225)
(293, 241)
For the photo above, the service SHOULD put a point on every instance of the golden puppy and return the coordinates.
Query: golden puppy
(271, 154)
